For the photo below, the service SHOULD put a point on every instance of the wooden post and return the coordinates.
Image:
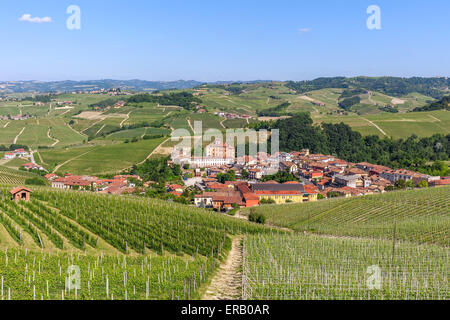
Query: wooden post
(393, 242)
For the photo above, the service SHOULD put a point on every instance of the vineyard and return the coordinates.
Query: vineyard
(420, 216)
(313, 267)
(169, 250)
(14, 177)
(340, 244)
(28, 275)
(126, 247)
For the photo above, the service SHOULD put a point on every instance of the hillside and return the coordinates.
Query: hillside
(10, 176)
(339, 245)
(79, 132)
(419, 216)
(130, 248)
(70, 86)
(138, 248)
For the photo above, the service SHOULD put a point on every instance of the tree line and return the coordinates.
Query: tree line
(298, 132)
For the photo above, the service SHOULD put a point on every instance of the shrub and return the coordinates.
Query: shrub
(35, 182)
(256, 217)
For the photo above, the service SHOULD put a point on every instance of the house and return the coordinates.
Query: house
(20, 153)
(219, 200)
(176, 188)
(33, 166)
(250, 198)
(347, 181)
(20, 194)
(75, 182)
(50, 176)
(9, 156)
(443, 181)
(254, 174)
(357, 172)
(288, 166)
(16, 154)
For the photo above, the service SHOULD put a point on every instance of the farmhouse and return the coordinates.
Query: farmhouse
(33, 166)
(20, 194)
(74, 182)
(16, 154)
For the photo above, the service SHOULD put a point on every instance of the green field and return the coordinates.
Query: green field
(337, 243)
(146, 249)
(298, 267)
(99, 159)
(416, 215)
(9, 176)
(396, 125)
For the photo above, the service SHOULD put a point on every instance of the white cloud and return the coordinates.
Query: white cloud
(303, 30)
(28, 18)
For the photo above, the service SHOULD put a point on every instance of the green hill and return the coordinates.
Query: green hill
(416, 215)
(138, 248)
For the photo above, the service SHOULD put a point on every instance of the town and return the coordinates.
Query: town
(223, 182)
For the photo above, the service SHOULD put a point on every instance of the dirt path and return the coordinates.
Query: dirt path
(126, 118)
(40, 158)
(54, 139)
(221, 123)
(100, 129)
(60, 115)
(375, 125)
(190, 125)
(17, 137)
(434, 118)
(92, 125)
(67, 161)
(227, 283)
(154, 151)
(80, 133)
(6, 124)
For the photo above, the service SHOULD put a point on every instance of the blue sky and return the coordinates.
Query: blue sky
(223, 40)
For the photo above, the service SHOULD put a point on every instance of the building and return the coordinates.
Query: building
(351, 181)
(219, 200)
(254, 174)
(288, 166)
(282, 193)
(20, 194)
(33, 166)
(50, 176)
(18, 153)
(219, 149)
(75, 182)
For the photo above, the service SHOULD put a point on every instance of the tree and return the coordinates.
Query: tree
(422, 184)
(400, 184)
(256, 217)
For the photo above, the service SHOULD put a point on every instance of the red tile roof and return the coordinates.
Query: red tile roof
(18, 189)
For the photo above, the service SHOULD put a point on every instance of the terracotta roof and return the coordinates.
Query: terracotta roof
(18, 189)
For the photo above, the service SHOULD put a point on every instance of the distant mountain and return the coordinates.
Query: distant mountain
(69, 86)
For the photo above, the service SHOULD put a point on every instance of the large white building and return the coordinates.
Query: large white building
(216, 154)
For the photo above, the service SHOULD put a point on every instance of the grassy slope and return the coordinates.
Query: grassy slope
(420, 215)
(109, 158)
